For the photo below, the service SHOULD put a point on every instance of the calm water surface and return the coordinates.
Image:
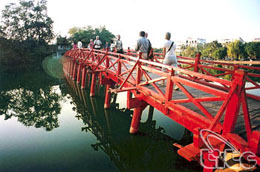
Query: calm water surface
(49, 124)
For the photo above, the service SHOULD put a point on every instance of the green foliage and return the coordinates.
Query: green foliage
(24, 34)
(62, 40)
(210, 48)
(253, 49)
(232, 50)
(190, 51)
(86, 33)
(236, 50)
(220, 53)
(31, 98)
(27, 21)
(158, 50)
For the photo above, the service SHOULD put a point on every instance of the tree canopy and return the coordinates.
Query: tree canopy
(232, 50)
(27, 20)
(25, 31)
(86, 33)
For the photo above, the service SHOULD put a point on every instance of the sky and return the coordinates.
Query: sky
(208, 19)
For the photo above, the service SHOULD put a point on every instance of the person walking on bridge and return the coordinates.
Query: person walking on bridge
(142, 45)
(79, 44)
(97, 43)
(91, 44)
(169, 55)
(169, 48)
(119, 45)
(150, 49)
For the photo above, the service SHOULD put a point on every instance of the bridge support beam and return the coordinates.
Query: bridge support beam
(83, 77)
(78, 73)
(136, 120)
(74, 71)
(93, 84)
(138, 105)
(71, 69)
(108, 97)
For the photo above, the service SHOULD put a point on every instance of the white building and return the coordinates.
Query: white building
(195, 42)
(228, 40)
(256, 40)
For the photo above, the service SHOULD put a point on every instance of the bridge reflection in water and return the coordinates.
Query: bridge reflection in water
(149, 150)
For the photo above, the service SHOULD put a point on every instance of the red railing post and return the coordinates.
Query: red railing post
(233, 106)
(139, 71)
(71, 68)
(107, 59)
(197, 62)
(108, 97)
(74, 70)
(169, 87)
(119, 66)
(78, 73)
(83, 77)
(93, 84)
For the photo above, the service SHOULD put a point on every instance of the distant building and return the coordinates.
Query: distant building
(63, 43)
(256, 40)
(195, 42)
(228, 40)
(225, 41)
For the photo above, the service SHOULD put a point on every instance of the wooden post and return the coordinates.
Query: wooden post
(108, 97)
(139, 72)
(136, 120)
(74, 71)
(93, 85)
(234, 103)
(78, 73)
(197, 62)
(83, 77)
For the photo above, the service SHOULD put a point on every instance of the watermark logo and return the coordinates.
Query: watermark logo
(212, 155)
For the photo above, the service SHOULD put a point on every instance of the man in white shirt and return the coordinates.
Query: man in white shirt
(79, 44)
(169, 51)
(97, 43)
(169, 54)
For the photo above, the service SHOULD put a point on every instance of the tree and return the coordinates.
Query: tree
(189, 51)
(210, 48)
(253, 49)
(27, 29)
(86, 33)
(220, 53)
(74, 30)
(236, 50)
(27, 21)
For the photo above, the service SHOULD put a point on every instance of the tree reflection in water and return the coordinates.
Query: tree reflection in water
(150, 150)
(32, 98)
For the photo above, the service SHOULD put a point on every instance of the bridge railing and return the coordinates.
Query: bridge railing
(217, 69)
(186, 106)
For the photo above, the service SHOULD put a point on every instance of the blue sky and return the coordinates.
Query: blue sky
(209, 19)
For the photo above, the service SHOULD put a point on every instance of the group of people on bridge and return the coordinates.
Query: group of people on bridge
(114, 46)
(143, 46)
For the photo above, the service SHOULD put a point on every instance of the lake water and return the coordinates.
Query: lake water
(49, 124)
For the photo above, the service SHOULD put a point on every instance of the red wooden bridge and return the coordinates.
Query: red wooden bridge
(203, 101)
